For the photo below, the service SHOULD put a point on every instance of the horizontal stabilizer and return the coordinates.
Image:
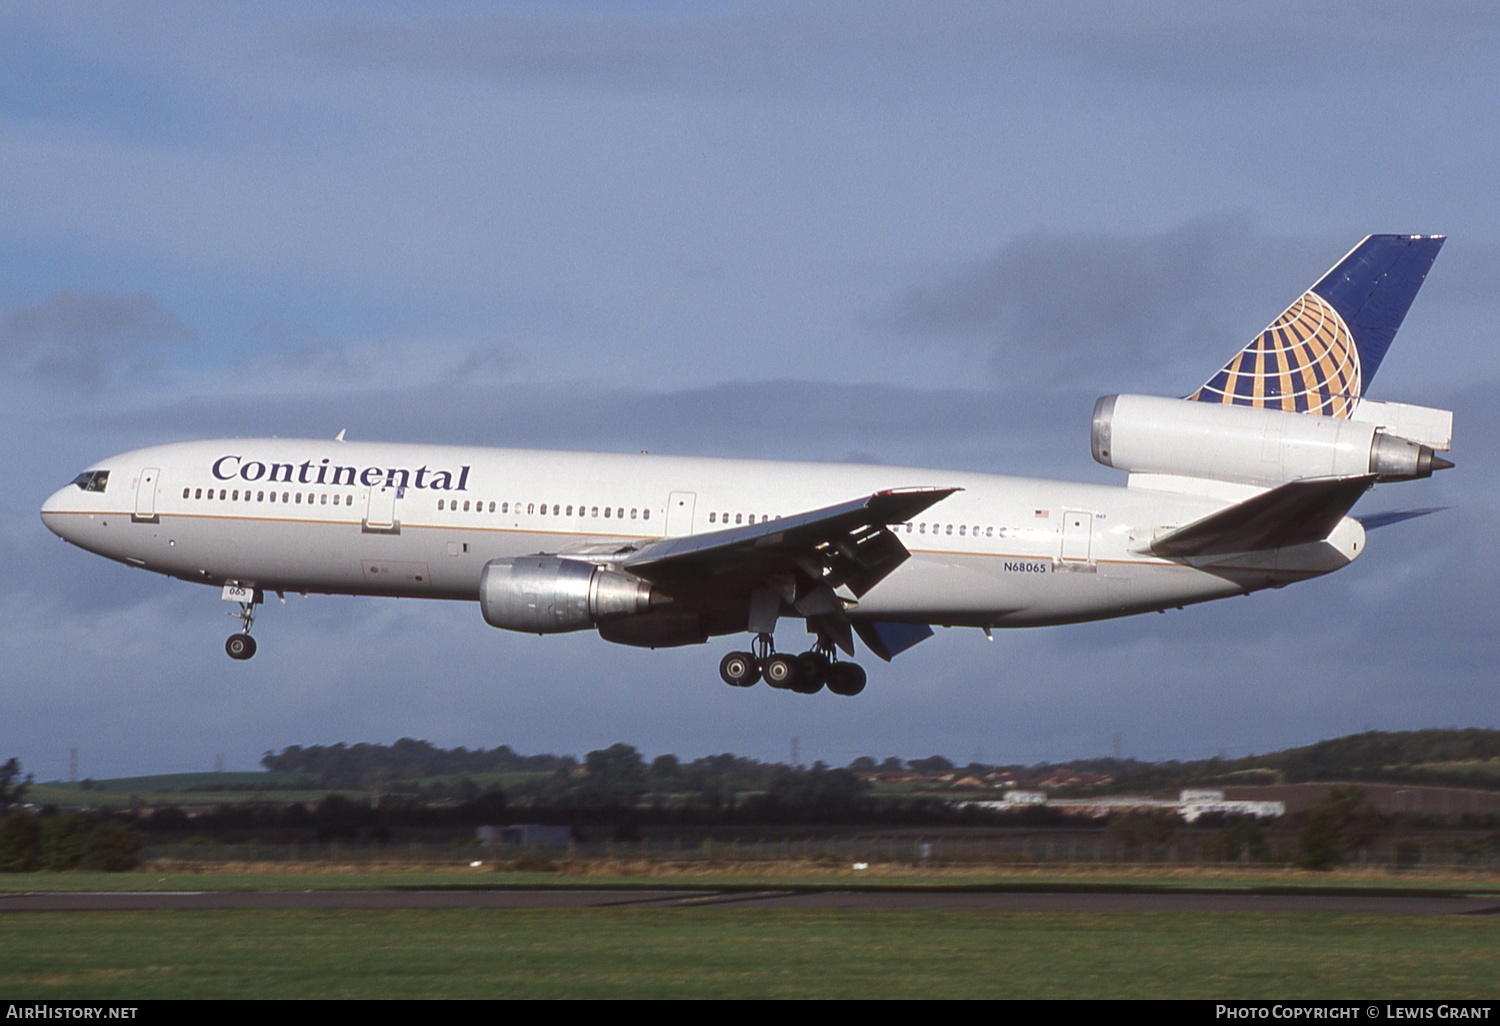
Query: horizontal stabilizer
(1370, 521)
(1295, 513)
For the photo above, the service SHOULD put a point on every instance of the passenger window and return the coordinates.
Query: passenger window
(606, 512)
(712, 517)
(260, 496)
(187, 493)
(198, 493)
(646, 514)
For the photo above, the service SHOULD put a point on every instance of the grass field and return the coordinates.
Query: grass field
(742, 952)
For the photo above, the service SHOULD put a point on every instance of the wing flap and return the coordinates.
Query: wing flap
(1295, 513)
(889, 639)
(850, 540)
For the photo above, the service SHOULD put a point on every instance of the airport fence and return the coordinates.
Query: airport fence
(946, 852)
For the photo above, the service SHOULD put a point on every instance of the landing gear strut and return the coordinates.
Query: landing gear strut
(242, 645)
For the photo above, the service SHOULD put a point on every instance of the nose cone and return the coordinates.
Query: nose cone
(55, 511)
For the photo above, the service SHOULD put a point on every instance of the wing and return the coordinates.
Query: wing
(788, 566)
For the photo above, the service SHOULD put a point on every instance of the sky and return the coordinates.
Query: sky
(887, 232)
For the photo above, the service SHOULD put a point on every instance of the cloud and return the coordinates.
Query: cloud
(82, 338)
(1058, 307)
(978, 429)
(850, 47)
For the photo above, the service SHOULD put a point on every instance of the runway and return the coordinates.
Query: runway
(979, 900)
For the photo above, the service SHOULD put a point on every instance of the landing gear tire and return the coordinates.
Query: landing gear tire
(240, 646)
(812, 673)
(739, 670)
(847, 679)
(779, 670)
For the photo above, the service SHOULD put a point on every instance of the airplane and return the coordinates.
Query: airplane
(1245, 484)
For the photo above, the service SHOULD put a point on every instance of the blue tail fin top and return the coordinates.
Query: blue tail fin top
(1320, 355)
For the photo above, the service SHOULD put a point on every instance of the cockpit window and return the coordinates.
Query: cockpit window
(92, 480)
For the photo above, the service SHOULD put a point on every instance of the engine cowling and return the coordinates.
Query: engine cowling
(548, 595)
(1249, 445)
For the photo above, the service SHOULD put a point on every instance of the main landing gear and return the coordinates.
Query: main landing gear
(805, 674)
(242, 645)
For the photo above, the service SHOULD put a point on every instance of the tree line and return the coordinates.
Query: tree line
(1453, 757)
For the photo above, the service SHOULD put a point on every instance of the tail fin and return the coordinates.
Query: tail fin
(1320, 355)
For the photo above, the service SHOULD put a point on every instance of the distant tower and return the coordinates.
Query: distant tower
(795, 745)
(219, 763)
(1119, 747)
(73, 765)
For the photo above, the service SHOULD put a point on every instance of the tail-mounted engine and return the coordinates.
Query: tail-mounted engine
(548, 595)
(1249, 445)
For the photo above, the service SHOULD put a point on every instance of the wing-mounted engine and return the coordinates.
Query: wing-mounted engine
(551, 595)
(1265, 447)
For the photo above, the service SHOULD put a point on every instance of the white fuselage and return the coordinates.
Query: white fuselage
(422, 521)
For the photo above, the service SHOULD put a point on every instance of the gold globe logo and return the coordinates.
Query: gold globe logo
(1305, 362)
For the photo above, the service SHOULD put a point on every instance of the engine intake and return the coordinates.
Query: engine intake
(548, 595)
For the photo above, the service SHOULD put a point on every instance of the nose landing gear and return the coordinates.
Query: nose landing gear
(242, 646)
